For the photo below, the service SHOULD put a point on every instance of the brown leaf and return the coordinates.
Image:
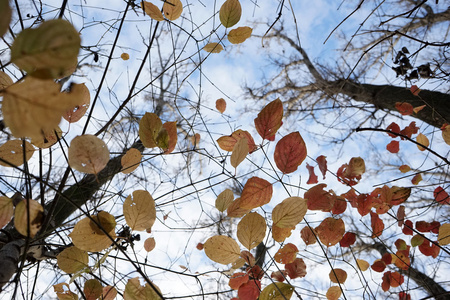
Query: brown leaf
(290, 152)
(11, 153)
(330, 231)
(72, 260)
(172, 9)
(131, 160)
(221, 105)
(256, 193)
(239, 153)
(269, 120)
(338, 275)
(88, 154)
(149, 244)
(152, 10)
(251, 230)
(32, 222)
(139, 210)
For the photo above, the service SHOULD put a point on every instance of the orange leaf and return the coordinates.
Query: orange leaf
(280, 234)
(446, 133)
(290, 152)
(238, 279)
(406, 109)
(404, 168)
(308, 236)
(286, 254)
(172, 9)
(269, 120)
(377, 225)
(296, 269)
(152, 10)
(338, 275)
(331, 231)
(362, 264)
(221, 105)
(171, 128)
(444, 234)
(235, 210)
(312, 176)
(249, 290)
(410, 129)
(416, 179)
(318, 199)
(418, 108)
(227, 142)
(131, 160)
(256, 193)
(393, 147)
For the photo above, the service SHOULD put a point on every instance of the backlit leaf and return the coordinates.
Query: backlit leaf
(444, 234)
(312, 176)
(6, 210)
(416, 179)
(221, 105)
(401, 215)
(406, 109)
(5, 80)
(393, 146)
(131, 160)
(399, 195)
(322, 162)
(234, 210)
(251, 230)
(33, 221)
(83, 99)
(172, 9)
(394, 128)
(149, 244)
(135, 291)
(296, 269)
(377, 224)
(224, 199)
(404, 168)
(348, 239)
(419, 108)
(256, 193)
(338, 275)
(109, 293)
(149, 128)
(92, 289)
(139, 210)
(333, 293)
(72, 260)
(88, 154)
(429, 249)
(423, 140)
(11, 153)
(5, 16)
(227, 143)
(441, 196)
(269, 120)
(249, 290)
(125, 56)
(289, 212)
(277, 291)
(64, 294)
(280, 234)
(222, 249)
(48, 51)
(237, 279)
(446, 133)
(417, 240)
(87, 236)
(290, 152)
(286, 254)
(362, 264)
(171, 128)
(213, 48)
(152, 10)
(230, 13)
(319, 199)
(239, 35)
(330, 231)
(47, 139)
(239, 153)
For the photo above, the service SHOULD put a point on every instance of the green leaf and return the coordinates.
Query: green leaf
(277, 291)
(230, 13)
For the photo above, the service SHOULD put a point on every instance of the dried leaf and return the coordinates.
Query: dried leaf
(92, 289)
(419, 108)
(6, 210)
(134, 291)
(277, 291)
(423, 140)
(230, 13)
(83, 99)
(227, 143)
(149, 128)
(249, 290)
(171, 129)
(222, 249)
(330, 231)
(238, 279)
(5, 80)
(286, 254)
(394, 128)
(362, 264)
(11, 153)
(149, 244)
(377, 224)
(139, 210)
(404, 168)
(289, 212)
(239, 35)
(213, 48)
(416, 179)
(88, 154)
(348, 239)
(72, 260)
(269, 120)
(393, 147)
(109, 293)
(33, 221)
(251, 230)
(256, 193)
(338, 275)
(312, 176)
(296, 269)
(221, 105)
(333, 293)
(446, 134)
(152, 10)
(239, 153)
(280, 234)
(444, 234)
(62, 294)
(235, 210)
(322, 162)
(172, 9)
(290, 152)
(406, 109)
(308, 236)
(131, 160)
(224, 199)
(48, 139)
(319, 199)
(415, 90)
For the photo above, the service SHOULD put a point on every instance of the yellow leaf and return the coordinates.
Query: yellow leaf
(222, 249)
(87, 238)
(72, 260)
(64, 294)
(88, 154)
(404, 168)
(230, 13)
(5, 16)
(139, 210)
(444, 234)
(277, 291)
(239, 153)
(418, 108)
(423, 140)
(338, 276)
(48, 51)
(446, 134)
(234, 210)
(251, 230)
(106, 221)
(83, 97)
(134, 291)
(149, 244)
(280, 234)
(362, 264)
(290, 212)
(131, 160)
(35, 218)
(125, 56)
(333, 293)
(48, 138)
(172, 9)
(149, 128)
(239, 35)
(224, 199)
(11, 153)
(6, 210)
(92, 289)
(152, 10)
(5, 80)
(213, 48)
(33, 106)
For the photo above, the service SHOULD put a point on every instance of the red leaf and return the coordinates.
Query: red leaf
(330, 231)
(238, 279)
(255, 272)
(407, 228)
(394, 128)
(322, 162)
(386, 258)
(441, 196)
(404, 296)
(435, 227)
(312, 177)
(296, 269)
(318, 199)
(410, 129)
(386, 284)
(415, 90)
(199, 246)
(396, 279)
(348, 239)
(290, 152)
(393, 147)
(423, 226)
(350, 173)
(256, 193)
(378, 266)
(250, 290)
(364, 204)
(308, 236)
(429, 250)
(340, 205)
(278, 275)
(377, 225)
(404, 108)
(269, 120)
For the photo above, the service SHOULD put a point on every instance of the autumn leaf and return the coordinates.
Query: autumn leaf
(446, 133)
(49, 51)
(12, 153)
(333, 293)
(237, 279)
(280, 234)
(224, 199)
(82, 99)
(338, 275)
(28, 217)
(394, 128)
(88, 154)
(279, 276)
(152, 11)
(172, 9)
(235, 210)
(227, 143)
(131, 160)
(404, 168)
(222, 249)
(135, 291)
(348, 239)
(429, 249)
(213, 48)
(444, 234)
(249, 290)
(322, 162)
(251, 230)
(406, 109)
(441, 196)
(416, 179)
(422, 140)
(149, 127)
(350, 173)
(377, 224)
(289, 212)
(393, 147)
(277, 291)
(139, 210)
(269, 120)
(92, 289)
(296, 269)
(72, 260)
(362, 264)
(171, 128)
(125, 56)
(308, 236)
(407, 228)
(399, 194)
(401, 215)
(109, 293)
(6, 210)
(417, 240)
(415, 90)
(419, 108)
(319, 199)
(256, 193)
(330, 231)
(378, 266)
(286, 254)
(5, 80)
(230, 13)
(221, 105)
(149, 244)
(66, 293)
(290, 152)
(239, 153)
(340, 205)
(5, 17)
(410, 129)
(239, 35)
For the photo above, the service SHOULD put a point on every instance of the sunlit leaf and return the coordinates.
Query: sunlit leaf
(444, 234)
(6, 210)
(139, 210)
(172, 9)
(125, 56)
(277, 291)
(63, 294)
(256, 193)
(393, 146)
(171, 128)
(362, 264)
(152, 10)
(48, 51)
(333, 293)
(82, 97)
(213, 48)
(269, 120)
(423, 140)
(5, 80)
(404, 168)
(92, 289)
(47, 139)
(131, 160)
(350, 173)
(28, 215)
(338, 275)
(296, 269)
(234, 210)
(221, 105)
(230, 13)
(446, 133)
(289, 212)
(330, 231)
(308, 236)
(5, 17)
(399, 194)
(72, 260)
(87, 236)
(227, 143)
(11, 153)
(224, 199)
(135, 291)
(149, 128)
(239, 35)
(239, 153)
(290, 152)
(286, 254)
(88, 154)
(377, 224)
(251, 230)
(280, 234)
(222, 249)
(237, 279)
(441, 196)
(406, 109)
(149, 244)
